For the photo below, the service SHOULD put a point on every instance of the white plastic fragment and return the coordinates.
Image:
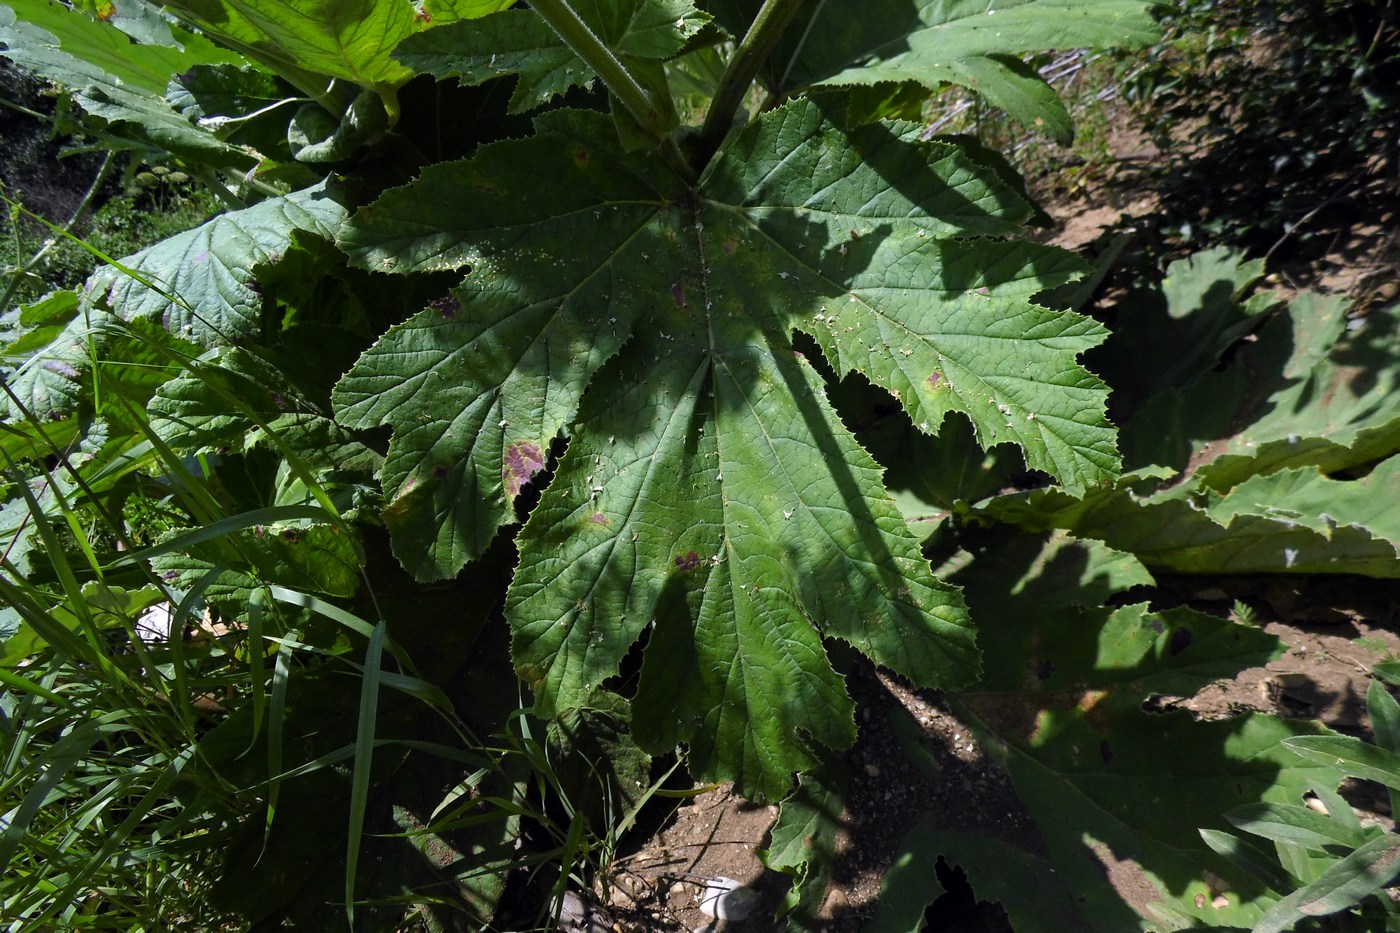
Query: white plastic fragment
(154, 625)
(726, 899)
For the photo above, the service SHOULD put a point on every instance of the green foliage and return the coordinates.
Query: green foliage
(1283, 420)
(448, 398)
(1325, 862)
(919, 47)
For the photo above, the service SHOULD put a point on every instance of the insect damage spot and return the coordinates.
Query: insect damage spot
(688, 561)
(61, 368)
(448, 306)
(523, 460)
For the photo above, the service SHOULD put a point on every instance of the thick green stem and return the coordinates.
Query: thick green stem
(752, 52)
(586, 45)
(640, 102)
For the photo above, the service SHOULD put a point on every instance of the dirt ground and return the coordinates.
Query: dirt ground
(1333, 628)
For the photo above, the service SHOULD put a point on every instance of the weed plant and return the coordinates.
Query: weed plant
(408, 436)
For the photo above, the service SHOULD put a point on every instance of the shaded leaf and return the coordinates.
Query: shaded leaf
(933, 43)
(519, 42)
(707, 482)
(1035, 900)
(1108, 784)
(1312, 389)
(1176, 533)
(223, 399)
(202, 283)
(802, 842)
(316, 558)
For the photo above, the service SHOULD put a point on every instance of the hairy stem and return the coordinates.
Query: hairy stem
(640, 102)
(753, 50)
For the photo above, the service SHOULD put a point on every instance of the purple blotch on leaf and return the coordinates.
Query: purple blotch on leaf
(522, 461)
(598, 518)
(439, 472)
(688, 561)
(63, 369)
(678, 294)
(448, 306)
(934, 380)
(202, 256)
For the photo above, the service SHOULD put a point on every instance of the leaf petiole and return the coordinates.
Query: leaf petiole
(586, 44)
(758, 43)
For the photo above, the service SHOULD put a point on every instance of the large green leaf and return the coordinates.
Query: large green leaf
(1061, 707)
(1174, 334)
(201, 284)
(707, 478)
(933, 43)
(116, 80)
(520, 42)
(1239, 533)
(43, 35)
(49, 381)
(1310, 388)
(349, 40)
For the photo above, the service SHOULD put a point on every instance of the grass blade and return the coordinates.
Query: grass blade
(364, 754)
